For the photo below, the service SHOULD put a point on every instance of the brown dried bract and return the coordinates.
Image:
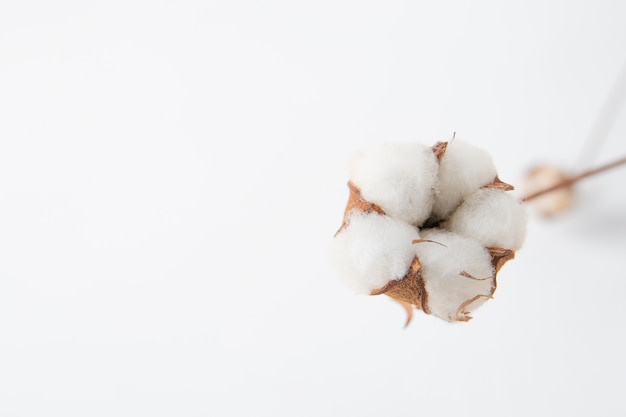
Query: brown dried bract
(408, 308)
(357, 202)
(500, 256)
(440, 149)
(499, 185)
(462, 314)
(408, 290)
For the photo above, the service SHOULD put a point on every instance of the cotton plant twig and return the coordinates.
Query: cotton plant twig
(567, 182)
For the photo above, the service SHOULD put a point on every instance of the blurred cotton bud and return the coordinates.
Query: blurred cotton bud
(429, 227)
(553, 203)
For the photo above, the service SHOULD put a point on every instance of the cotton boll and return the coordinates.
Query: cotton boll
(398, 177)
(491, 217)
(463, 169)
(372, 250)
(458, 277)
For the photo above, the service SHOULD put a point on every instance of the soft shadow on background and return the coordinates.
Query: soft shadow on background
(171, 174)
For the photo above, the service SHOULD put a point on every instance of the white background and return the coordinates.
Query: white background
(171, 174)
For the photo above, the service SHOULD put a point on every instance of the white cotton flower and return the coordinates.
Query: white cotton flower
(398, 177)
(463, 169)
(492, 217)
(458, 277)
(372, 250)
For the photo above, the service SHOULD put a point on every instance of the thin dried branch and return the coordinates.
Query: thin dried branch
(572, 180)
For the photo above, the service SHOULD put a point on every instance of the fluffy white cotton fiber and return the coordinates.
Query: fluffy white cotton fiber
(463, 169)
(451, 293)
(491, 217)
(399, 177)
(372, 250)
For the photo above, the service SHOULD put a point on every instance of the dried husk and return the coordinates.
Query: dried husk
(499, 185)
(357, 202)
(440, 149)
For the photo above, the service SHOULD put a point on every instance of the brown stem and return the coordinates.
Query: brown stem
(572, 180)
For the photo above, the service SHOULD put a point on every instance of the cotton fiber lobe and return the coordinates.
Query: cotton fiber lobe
(463, 169)
(443, 265)
(491, 217)
(372, 250)
(400, 178)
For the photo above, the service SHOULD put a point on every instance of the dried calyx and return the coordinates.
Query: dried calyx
(429, 227)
